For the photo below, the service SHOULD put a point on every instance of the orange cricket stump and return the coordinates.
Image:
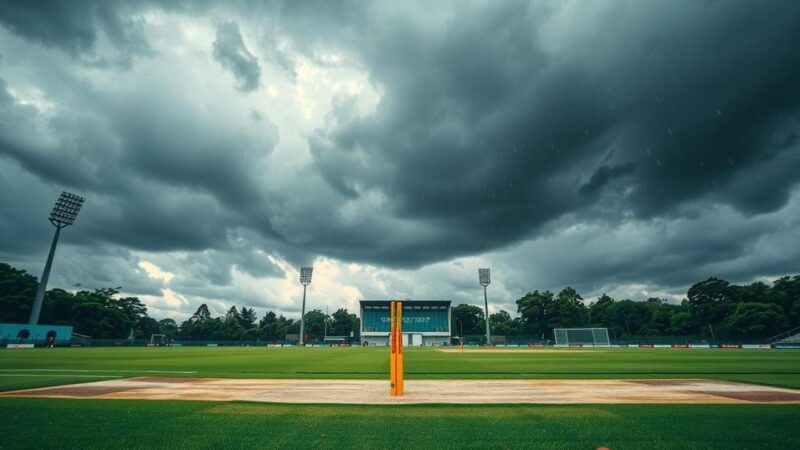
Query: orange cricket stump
(400, 371)
(396, 348)
(392, 352)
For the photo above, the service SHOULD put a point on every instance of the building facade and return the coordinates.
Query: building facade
(22, 334)
(425, 322)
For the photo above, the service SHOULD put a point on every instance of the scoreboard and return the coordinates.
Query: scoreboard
(419, 316)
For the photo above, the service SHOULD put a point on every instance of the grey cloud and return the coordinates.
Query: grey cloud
(488, 134)
(76, 27)
(77, 267)
(24, 230)
(162, 175)
(255, 263)
(164, 220)
(231, 52)
(491, 137)
(667, 253)
(5, 97)
(166, 140)
(604, 175)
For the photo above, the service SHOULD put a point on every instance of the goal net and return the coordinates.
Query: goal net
(595, 337)
(157, 339)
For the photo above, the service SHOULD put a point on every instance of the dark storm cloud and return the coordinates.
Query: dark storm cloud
(486, 131)
(5, 97)
(159, 176)
(165, 139)
(498, 124)
(216, 267)
(166, 220)
(661, 254)
(230, 51)
(604, 175)
(76, 27)
(21, 224)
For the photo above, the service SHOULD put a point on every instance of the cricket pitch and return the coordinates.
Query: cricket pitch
(674, 391)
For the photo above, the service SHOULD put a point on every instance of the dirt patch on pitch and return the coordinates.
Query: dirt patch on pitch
(511, 350)
(88, 390)
(761, 396)
(423, 391)
(171, 380)
(656, 382)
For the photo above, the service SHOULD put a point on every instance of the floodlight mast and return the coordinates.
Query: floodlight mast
(63, 215)
(305, 280)
(484, 278)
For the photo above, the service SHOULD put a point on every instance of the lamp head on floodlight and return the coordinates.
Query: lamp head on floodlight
(66, 209)
(483, 277)
(305, 275)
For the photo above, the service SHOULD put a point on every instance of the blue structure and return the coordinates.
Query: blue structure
(425, 322)
(21, 333)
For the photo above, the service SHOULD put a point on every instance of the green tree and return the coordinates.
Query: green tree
(628, 317)
(57, 308)
(343, 323)
(285, 326)
(786, 292)
(201, 314)
(315, 325)
(250, 334)
(201, 326)
(132, 307)
(681, 324)
(95, 319)
(17, 289)
(756, 320)
(135, 311)
(206, 329)
(188, 330)
(568, 310)
(535, 310)
(213, 329)
(146, 327)
(710, 302)
(470, 317)
(661, 313)
(231, 329)
(99, 313)
(502, 324)
(598, 311)
(168, 327)
(233, 313)
(794, 313)
(248, 317)
(268, 327)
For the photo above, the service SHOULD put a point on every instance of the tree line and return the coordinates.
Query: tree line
(752, 311)
(712, 309)
(103, 314)
(242, 325)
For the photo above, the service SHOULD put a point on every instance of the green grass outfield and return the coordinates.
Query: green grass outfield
(118, 424)
(56, 423)
(42, 367)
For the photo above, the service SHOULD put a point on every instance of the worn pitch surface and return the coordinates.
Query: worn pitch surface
(510, 350)
(422, 391)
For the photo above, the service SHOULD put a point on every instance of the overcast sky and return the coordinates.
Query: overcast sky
(628, 147)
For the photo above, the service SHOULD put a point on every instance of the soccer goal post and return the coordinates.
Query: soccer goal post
(595, 337)
(157, 339)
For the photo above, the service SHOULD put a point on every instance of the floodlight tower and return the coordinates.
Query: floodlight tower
(63, 215)
(484, 279)
(305, 280)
